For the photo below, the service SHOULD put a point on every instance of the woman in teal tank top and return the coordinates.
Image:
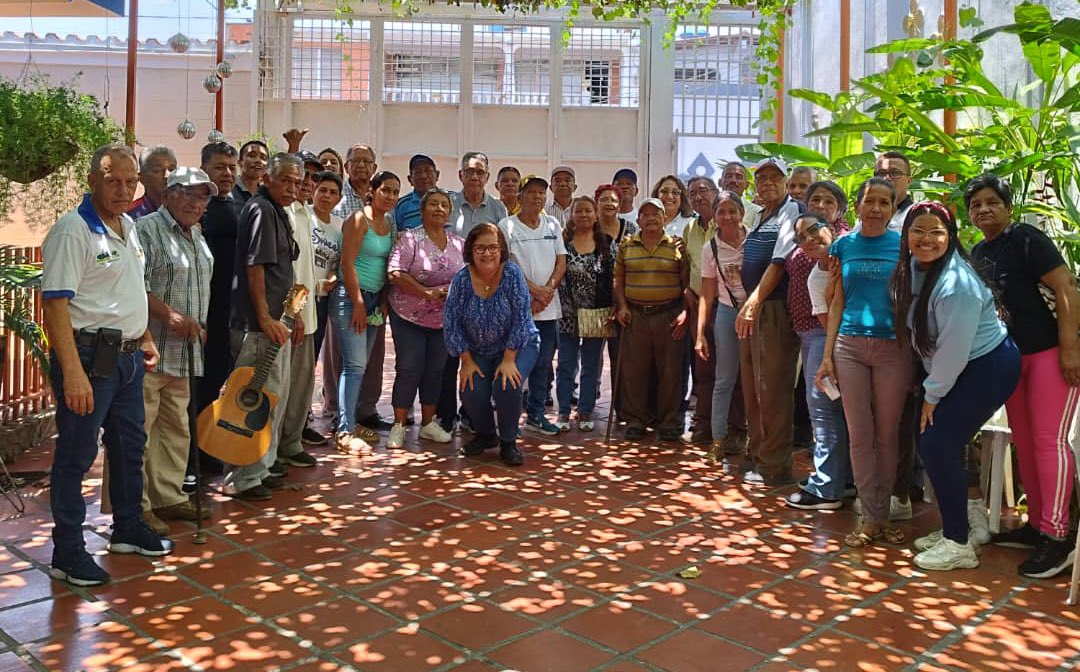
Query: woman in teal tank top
(357, 302)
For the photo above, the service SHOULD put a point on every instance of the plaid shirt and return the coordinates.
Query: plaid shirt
(350, 201)
(178, 271)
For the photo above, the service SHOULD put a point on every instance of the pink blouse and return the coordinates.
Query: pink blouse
(414, 253)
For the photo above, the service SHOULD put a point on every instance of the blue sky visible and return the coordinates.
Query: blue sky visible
(157, 19)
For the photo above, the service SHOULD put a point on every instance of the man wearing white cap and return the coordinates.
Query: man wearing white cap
(179, 266)
(563, 186)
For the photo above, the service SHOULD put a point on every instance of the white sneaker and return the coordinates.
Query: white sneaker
(397, 436)
(432, 431)
(897, 510)
(946, 555)
(978, 521)
(931, 540)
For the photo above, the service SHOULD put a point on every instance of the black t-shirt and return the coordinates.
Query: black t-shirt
(1013, 262)
(263, 237)
(219, 225)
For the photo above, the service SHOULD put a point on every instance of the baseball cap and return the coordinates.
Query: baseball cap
(627, 173)
(308, 157)
(655, 202)
(418, 160)
(774, 162)
(190, 177)
(531, 179)
(563, 169)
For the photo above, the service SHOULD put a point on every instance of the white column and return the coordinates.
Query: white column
(658, 91)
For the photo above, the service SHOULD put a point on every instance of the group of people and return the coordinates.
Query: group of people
(504, 305)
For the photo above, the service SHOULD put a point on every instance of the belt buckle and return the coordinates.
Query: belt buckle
(129, 346)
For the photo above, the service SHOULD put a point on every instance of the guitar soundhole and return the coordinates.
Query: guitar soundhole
(249, 399)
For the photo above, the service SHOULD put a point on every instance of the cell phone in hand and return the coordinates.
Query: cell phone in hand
(830, 389)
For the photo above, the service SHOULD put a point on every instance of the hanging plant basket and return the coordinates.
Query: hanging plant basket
(47, 134)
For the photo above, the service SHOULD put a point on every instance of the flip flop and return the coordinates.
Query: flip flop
(859, 539)
(893, 535)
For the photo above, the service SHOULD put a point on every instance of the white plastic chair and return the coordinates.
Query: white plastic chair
(1074, 443)
(995, 469)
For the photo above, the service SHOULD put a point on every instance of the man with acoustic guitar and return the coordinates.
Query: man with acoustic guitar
(96, 317)
(265, 250)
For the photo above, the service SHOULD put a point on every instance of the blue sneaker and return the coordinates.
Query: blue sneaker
(542, 425)
(79, 570)
(140, 539)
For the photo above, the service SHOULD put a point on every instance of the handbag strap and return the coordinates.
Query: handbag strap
(716, 261)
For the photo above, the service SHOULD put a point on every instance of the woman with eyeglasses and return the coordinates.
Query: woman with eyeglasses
(815, 231)
(357, 302)
(1039, 293)
(677, 210)
(423, 262)
(488, 325)
(872, 368)
(950, 317)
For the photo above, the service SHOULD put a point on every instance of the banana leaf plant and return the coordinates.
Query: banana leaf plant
(19, 280)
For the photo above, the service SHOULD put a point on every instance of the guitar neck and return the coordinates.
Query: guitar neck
(266, 361)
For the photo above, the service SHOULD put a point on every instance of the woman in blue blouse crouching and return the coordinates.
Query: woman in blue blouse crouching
(488, 325)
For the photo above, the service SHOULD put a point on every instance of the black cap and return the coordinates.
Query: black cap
(419, 160)
(307, 157)
(625, 172)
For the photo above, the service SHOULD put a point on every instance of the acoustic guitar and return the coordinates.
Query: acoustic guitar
(236, 428)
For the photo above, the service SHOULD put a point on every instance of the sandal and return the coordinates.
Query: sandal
(893, 535)
(859, 538)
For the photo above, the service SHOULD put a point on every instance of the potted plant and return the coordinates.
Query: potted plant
(47, 134)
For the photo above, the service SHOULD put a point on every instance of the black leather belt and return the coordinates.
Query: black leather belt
(86, 338)
(651, 308)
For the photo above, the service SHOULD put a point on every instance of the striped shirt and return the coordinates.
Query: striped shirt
(178, 272)
(652, 276)
(770, 240)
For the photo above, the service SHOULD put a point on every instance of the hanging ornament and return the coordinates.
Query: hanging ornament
(224, 69)
(186, 129)
(179, 43)
(212, 83)
(215, 136)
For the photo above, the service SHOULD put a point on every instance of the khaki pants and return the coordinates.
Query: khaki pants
(301, 385)
(768, 366)
(650, 347)
(168, 440)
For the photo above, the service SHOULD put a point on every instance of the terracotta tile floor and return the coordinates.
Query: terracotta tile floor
(420, 560)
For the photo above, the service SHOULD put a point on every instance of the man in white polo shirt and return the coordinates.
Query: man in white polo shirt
(96, 317)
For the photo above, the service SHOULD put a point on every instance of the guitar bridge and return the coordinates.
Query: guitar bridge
(235, 429)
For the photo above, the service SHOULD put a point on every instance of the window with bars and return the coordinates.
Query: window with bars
(602, 68)
(715, 91)
(331, 60)
(423, 62)
(511, 65)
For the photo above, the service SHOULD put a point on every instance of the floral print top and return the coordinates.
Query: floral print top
(416, 254)
(587, 284)
(488, 327)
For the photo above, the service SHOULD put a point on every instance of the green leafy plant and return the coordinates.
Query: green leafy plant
(47, 134)
(19, 279)
(1036, 147)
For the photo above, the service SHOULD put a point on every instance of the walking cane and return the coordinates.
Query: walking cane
(200, 534)
(614, 391)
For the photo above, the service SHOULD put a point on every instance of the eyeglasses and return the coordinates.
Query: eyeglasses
(808, 234)
(704, 191)
(669, 192)
(894, 174)
(473, 172)
(486, 249)
(360, 162)
(921, 234)
(194, 194)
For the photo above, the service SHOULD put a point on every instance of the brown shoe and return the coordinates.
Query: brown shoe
(351, 444)
(182, 511)
(156, 524)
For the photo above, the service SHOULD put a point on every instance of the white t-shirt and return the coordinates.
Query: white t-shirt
(727, 274)
(536, 251)
(816, 284)
(676, 226)
(303, 221)
(326, 240)
(99, 272)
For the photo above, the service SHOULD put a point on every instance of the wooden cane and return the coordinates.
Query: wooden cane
(200, 534)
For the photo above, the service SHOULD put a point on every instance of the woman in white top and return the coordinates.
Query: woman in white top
(677, 211)
(721, 271)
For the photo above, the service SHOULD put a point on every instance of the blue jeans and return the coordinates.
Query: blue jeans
(727, 368)
(540, 378)
(591, 353)
(322, 312)
(355, 351)
(119, 410)
(832, 462)
(476, 399)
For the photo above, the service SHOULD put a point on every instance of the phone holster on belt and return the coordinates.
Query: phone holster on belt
(107, 344)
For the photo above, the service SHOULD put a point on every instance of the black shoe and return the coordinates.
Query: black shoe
(139, 539)
(79, 570)
(1025, 536)
(1051, 557)
(634, 433)
(410, 420)
(279, 469)
(916, 493)
(479, 443)
(256, 493)
(312, 438)
(375, 422)
(273, 482)
(808, 501)
(510, 454)
(188, 487)
(669, 434)
(303, 460)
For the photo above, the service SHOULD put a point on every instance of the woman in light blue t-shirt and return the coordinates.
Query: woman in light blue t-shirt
(862, 356)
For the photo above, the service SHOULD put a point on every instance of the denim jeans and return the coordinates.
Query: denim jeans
(119, 410)
(591, 352)
(477, 399)
(322, 313)
(726, 357)
(540, 378)
(355, 351)
(420, 355)
(832, 463)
